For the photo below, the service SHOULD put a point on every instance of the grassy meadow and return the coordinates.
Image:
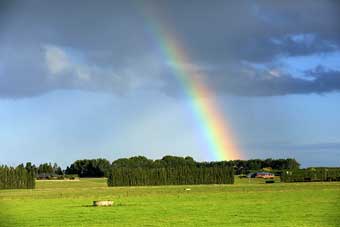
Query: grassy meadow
(246, 203)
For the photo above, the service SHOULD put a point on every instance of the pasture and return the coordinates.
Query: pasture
(246, 203)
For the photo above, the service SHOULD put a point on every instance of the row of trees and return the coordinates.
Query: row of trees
(45, 168)
(142, 171)
(102, 167)
(240, 166)
(168, 171)
(311, 174)
(16, 178)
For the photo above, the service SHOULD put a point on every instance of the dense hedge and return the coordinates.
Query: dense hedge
(16, 178)
(311, 174)
(168, 171)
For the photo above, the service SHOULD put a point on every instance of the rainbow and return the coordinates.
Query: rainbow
(215, 129)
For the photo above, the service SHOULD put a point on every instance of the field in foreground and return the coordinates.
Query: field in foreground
(254, 203)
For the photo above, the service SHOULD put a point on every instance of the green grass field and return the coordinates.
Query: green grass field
(242, 204)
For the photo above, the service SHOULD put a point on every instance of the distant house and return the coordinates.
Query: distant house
(264, 175)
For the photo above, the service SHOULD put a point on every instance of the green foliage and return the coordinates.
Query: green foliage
(90, 168)
(17, 178)
(169, 170)
(311, 174)
(48, 168)
(178, 170)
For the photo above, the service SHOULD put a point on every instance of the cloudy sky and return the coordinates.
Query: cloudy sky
(85, 79)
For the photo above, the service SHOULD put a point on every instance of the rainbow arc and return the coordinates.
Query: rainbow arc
(212, 123)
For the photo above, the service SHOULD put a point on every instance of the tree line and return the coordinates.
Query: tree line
(311, 174)
(45, 168)
(169, 170)
(102, 167)
(19, 177)
(247, 166)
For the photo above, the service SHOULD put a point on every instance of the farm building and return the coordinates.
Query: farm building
(265, 175)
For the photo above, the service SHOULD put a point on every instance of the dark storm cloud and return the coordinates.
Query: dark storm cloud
(107, 46)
